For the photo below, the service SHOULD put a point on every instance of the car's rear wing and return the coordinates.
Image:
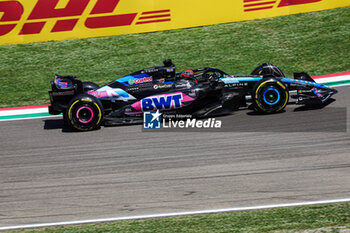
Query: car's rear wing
(63, 89)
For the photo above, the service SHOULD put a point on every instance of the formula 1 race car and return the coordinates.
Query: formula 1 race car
(203, 92)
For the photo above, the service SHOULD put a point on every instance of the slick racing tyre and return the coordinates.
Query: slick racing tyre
(270, 96)
(84, 113)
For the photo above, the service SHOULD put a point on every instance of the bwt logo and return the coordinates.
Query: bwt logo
(12, 11)
(163, 102)
(255, 5)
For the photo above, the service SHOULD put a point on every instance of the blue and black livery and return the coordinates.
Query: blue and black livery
(207, 92)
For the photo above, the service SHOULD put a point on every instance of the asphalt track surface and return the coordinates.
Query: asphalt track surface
(50, 175)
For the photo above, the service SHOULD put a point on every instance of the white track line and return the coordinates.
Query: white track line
(40, 225)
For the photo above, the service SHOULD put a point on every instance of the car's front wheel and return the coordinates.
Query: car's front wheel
(84, 113)
(270, 96)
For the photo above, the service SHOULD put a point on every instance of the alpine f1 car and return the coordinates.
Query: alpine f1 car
(203, 92)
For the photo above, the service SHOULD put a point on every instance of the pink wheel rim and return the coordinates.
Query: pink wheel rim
(91, 113)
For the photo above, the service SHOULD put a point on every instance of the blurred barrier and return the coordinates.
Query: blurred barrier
(26, 21)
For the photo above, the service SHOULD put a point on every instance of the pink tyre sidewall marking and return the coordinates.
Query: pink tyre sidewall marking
(92, 115)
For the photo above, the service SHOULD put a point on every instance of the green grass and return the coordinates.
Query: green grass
(314, 42)
(292, 219)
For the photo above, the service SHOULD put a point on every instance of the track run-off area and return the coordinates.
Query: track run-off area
(51, 175)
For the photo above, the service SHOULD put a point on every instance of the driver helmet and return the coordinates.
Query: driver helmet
(187, 74)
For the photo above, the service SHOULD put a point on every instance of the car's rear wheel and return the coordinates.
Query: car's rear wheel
(270, 96)
(84, 113)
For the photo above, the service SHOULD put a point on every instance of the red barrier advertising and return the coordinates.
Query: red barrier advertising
(26, 21)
